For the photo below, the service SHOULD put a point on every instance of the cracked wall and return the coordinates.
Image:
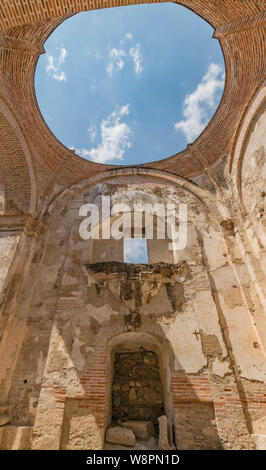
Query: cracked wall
(197, 308)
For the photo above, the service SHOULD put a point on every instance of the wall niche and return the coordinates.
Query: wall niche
(137, 389)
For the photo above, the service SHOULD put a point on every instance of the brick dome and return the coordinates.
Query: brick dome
(26, 25)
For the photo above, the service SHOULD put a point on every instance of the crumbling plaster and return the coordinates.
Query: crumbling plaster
(57, 330)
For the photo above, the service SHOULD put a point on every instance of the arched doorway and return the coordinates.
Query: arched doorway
(136, 387)
(139, 378)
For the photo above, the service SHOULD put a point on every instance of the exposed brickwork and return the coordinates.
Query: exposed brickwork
(59, 333)
(31, 11)
(14, 173)
(190, 388)
(26, 25)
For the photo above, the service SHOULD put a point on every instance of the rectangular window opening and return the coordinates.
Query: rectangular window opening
(135, 250)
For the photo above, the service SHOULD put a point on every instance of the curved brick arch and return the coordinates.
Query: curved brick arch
(231, 308)
(16, 175)
(150, 333)
(14, 13)
(114, 330)
(24, 165)
(239, 28)
(61, 201)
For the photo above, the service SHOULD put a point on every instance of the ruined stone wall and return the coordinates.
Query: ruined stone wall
(136, 387)
(17, 288)
(57, 328)
(214, 358)
(196, 426)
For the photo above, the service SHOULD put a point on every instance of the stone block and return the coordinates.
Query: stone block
(15, 438)
(163, 433)
(120, 435)
(4, 420)
(141, 429)
(260, 441)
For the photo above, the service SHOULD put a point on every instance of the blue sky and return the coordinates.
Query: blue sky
(135, 250)
(130, 85)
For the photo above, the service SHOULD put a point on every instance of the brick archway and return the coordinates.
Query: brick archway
(26, 26)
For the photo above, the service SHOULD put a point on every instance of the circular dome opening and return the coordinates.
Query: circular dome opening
(130, 85)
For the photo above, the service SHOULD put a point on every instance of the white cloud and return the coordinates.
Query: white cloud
(109, 68)
(62, 56)
(127, 37)
(135, 250)
(92, 133)
(116, 59)
(135, 53)
(199, 104)
(115, 138)
(124, 110)
(54, 65)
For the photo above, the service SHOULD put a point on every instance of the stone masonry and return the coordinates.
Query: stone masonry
(88, 342)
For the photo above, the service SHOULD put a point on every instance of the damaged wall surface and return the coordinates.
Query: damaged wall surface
(94, 350)
(195, 316)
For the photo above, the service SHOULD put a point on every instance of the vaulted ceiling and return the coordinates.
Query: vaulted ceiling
(25, 25)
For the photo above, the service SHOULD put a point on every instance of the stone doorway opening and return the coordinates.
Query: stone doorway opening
(138, 391)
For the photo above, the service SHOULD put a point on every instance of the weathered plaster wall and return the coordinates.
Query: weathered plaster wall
(253, 172)
(8, 245)
(215, 355)
(57, 332)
